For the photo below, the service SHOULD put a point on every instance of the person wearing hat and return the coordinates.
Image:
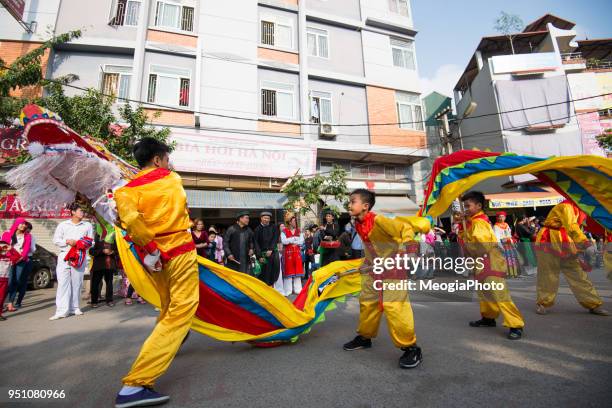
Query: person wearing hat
(293, 270)
(238, 243)
(504, 236)
(329, 233)
(266, 240)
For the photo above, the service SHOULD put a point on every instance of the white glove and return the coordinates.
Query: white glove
(152, 261)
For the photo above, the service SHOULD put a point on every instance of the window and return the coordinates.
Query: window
(320, 107)
(409, 110)
(187, 19)
(125, 12)
(116, 81)
(403, 53)
(168, 86)
(376, 171)
(267, 33)
(277, 100)
(276, 33)
(399, 7)
(318, 45)
(359, 170)
(173, 15)
(389, 172)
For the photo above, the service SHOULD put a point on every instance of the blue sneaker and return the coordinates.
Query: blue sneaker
(144, 398)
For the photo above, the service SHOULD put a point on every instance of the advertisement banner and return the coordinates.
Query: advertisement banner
(11, 207)
(241, 156)
(604, 80)
(584, 85)
(590, 127)
(11, 143)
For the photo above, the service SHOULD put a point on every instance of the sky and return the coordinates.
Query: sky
(450, 30)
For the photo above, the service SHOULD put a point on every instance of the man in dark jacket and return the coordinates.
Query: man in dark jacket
(266, 240)
(104, 266)
(238, 243)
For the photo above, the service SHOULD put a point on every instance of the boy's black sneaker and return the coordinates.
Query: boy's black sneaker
(515, 334)
(484, 322)
(411, 358)
(358, 343)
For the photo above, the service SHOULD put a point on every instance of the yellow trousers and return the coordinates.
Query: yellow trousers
(496, 302)
(397, 309)
(549, 268)
(177, 285)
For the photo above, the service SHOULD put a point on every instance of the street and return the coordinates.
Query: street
(564, 358)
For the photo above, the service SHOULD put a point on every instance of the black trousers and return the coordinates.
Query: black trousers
(96, 280)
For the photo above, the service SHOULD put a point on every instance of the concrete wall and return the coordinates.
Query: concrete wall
(379, 9)
(342, 8)
(379, 69)
(345, 55)
(92, 17)
(44, 12)
(482, 93)
(229, 80)
(87, 65)
(348, 106)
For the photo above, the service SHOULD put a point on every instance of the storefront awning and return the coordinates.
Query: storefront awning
(524, 199)
(395, 206)
(234, 199)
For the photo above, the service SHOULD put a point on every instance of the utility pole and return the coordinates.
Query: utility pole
(445, 134)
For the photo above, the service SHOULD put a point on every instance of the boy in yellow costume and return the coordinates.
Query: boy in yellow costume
(384, 238)
(557, 246)
(153, 210)
(480, 241)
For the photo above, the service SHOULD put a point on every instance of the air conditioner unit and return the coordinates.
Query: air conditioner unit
(327, 131)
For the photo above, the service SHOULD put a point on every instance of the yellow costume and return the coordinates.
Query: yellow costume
(480, 241)
(153, 210)
(557, 247)
(384, 237)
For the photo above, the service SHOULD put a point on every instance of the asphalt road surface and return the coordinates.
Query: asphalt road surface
(564, 359)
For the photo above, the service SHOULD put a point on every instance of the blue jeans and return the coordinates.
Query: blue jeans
(18, 281)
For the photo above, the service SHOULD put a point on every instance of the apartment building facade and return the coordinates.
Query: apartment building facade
(502, 84)
(256, 91)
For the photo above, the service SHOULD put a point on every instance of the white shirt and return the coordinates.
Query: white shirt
(299, 240)
(68, 230)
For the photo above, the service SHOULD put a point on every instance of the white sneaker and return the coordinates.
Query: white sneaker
(57, 317)
(78, 312)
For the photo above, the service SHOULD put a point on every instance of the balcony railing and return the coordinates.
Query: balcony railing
(572, 58)
(599, 64)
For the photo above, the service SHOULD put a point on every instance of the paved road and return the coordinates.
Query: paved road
(564, 359)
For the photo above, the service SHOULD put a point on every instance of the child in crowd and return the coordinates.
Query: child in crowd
(210, 252)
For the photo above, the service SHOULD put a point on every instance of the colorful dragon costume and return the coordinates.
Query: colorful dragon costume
(233, 306)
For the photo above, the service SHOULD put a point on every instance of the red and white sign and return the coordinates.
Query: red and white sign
(241, 156)
(11, 207)
(15, 8)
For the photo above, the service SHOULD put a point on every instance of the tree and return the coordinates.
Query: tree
(306, 194)
(605, 140)
(26, 70)
(509, 25)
